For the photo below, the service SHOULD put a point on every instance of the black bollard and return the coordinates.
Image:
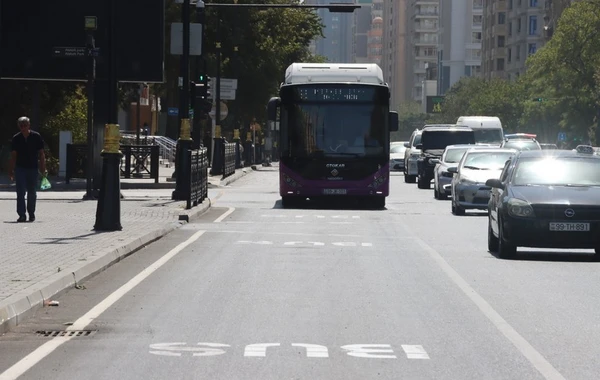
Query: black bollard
(217, 161)
(108, 211)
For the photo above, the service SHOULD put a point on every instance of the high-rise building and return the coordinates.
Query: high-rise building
(336, 46)
(364, 30)
(424, 23)
(515, 29)
(460, 37)
(395, 51)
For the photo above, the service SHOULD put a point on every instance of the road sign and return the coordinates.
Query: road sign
(226, 83)
(173, 111)
(562, 136)
(227, 94)
(224, 111)
(71, 51)
(434, 104)
(177, 38)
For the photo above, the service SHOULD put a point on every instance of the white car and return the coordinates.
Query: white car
(469, 190)
(441, 176)
(411, 155)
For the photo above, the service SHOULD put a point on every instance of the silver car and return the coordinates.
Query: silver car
(474, 169)
(411, 155)
(441, 177)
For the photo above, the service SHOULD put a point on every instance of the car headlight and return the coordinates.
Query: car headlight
(520, 208)
(466, 181)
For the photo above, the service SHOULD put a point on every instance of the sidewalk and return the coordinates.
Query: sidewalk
(40, 260)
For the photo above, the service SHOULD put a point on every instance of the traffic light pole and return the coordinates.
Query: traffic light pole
(184, 143)
(108, 211)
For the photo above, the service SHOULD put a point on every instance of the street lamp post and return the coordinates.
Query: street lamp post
(184, 143)
(108, 211)
(90, 27)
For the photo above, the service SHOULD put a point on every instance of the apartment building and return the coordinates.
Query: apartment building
(460, 41)
(367, 31)
(396, 51)
(424, 23)
(515, 29)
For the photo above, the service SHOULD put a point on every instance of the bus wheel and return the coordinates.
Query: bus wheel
(290, 202)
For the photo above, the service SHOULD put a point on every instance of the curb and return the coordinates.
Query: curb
(17, 308)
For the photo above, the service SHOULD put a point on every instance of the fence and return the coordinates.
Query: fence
(136, 159)
(228, 159)
(198, 178)
(138, 155)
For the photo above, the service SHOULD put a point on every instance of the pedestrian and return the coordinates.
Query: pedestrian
(27, 149)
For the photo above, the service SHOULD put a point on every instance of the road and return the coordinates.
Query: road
(254, 291)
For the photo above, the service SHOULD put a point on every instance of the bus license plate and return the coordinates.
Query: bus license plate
(334, 191)
(570, 227)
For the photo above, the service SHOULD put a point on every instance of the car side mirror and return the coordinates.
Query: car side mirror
(453, 170)
(435, 160)
(496, 183)
(393, 116)
(407, 145)
(419, 146)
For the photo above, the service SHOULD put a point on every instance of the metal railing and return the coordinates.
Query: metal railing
(140, 156)
(167, 146)
(228, 159)
(198, 178)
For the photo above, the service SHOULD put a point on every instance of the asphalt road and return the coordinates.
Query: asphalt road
(254, 291)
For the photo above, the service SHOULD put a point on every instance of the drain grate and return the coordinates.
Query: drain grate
(74, 333)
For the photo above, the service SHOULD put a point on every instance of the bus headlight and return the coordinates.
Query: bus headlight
(378, 182)
(290, 182)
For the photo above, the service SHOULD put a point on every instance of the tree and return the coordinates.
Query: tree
(473, 96)
(257, 45)
(565, 70)
(72, 117)
(409, 118)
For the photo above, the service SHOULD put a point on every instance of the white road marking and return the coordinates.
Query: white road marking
(47, 348)
(533, 356)
(415, 351)
(373, 351)
(176, 349)
(259, 349)
(345, 244)
(313, 350)
(225, 215)
(315, 216)
(316, 243)
(313, 243)
(366, 244)
(212, 350)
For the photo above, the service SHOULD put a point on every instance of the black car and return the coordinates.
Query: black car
(434, 141)
(545, 199)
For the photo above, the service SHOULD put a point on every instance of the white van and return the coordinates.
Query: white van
(488, 129)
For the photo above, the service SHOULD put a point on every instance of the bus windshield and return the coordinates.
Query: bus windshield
(336, 122)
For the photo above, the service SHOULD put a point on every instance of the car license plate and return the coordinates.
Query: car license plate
(334, 191)
(570, 227)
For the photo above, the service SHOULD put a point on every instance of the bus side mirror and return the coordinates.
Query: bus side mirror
(393, 116)
(272, 107)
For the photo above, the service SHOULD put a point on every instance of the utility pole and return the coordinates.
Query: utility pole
(90, 26)
(184, 143)
(108, 211)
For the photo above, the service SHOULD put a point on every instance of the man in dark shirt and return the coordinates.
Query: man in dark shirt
(27, 149)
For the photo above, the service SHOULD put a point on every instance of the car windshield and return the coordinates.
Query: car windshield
(486, 160)
(558, 171)
(397, 149)
(454, 155)
(522, 145)
(488, 136)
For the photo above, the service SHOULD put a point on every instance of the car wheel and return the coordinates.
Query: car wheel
(442, 195)
(456, 209)
(505, 250)
(423, 183)
(492, 240)
(409, 178)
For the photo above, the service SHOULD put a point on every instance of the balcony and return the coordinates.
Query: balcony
(499, 6)
(499, 30)
(499, 52)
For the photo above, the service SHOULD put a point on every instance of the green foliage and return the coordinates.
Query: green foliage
(72, 117)
(410, 117)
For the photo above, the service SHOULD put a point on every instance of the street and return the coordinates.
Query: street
(254, 291)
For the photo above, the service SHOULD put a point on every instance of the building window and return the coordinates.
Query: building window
(519, 25)
(509, 28)
(510, 4)
(476, 38)
(533, 3)
(532, 48)
(518, 50)
(477, 4)
(477, 20)
(500, 64)
(501, 18)
(501, 41)
(532, 25)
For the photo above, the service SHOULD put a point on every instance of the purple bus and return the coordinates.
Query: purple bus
(334, 133)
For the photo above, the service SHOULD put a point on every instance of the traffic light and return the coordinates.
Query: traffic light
(199, 97)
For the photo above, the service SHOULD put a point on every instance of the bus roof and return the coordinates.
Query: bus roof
(369, 73)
